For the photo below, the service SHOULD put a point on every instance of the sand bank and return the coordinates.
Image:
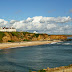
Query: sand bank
(30, 43)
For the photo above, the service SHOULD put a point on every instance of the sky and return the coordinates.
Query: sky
(43, 16)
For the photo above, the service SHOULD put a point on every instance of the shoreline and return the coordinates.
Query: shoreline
(58, 69)
(24, 44)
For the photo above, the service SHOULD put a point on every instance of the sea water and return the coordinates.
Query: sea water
(23, 59)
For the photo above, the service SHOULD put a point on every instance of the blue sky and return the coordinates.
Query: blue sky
(43, 16)
(21, 9)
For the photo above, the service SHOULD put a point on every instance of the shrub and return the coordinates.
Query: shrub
(36, 35)
(24, 33)
(25, 40)
(30, 70)
(1, 35)
(41, 70)
(11, 41)
(15, 33)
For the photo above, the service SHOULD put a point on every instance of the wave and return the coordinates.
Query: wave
(53, 42)
(15, 47)
(61, 43)
(64, 43)
(67, 43)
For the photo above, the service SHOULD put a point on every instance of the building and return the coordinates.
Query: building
(4, 29)
(35, 32)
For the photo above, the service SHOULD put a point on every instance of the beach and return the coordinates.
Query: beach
(29, 43)
(59, 69)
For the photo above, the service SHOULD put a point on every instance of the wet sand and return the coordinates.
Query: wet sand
(30, 43)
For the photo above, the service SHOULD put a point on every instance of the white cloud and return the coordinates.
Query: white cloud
(50, 26)
(13, 21)
(56, 19)
(41, 24)
(3, 22)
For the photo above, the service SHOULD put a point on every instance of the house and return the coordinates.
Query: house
(5, 29)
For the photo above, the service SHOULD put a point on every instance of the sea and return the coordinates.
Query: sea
(23, 59)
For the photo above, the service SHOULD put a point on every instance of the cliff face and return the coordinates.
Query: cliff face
(58, 37)
(26, 36)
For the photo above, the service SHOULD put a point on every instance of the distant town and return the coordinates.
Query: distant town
(6, 29)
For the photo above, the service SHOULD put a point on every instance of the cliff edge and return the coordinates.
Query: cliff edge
(26, 36)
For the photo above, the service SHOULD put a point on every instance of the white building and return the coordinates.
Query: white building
(7, 29)
(35, 32)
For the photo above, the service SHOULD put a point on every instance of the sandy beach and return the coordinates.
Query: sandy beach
(30, 43)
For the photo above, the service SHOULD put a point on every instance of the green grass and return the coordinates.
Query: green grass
(24, 33)
(1, 35)
(15, 33)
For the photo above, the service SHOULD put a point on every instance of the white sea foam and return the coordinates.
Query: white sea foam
(53, 42)
(15, 47)
(67, 43)
(59, 43)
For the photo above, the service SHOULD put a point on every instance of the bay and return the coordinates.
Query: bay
(23, 59)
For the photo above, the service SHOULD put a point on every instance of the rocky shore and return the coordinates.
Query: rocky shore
(57, 69)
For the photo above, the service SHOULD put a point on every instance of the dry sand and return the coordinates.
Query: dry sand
(30, 43)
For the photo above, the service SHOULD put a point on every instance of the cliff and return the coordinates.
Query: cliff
(26, 36)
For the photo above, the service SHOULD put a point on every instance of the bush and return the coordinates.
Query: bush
(25, 40)
(30, 70)
(1, 35)
(42, 70)
(24, 33)
(11, 41)
(15, 33)
(36, 35)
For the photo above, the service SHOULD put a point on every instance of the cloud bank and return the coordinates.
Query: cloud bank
(50, 25)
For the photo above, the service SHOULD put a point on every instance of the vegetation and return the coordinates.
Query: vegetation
(38, 71)
(24, 33)
(41, 70)
(11, 41)
(15, 34)
(69, 40)
(36, 35)
(30, 70)
(25, 40)
(1, 35)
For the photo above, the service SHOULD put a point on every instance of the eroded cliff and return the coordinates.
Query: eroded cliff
(26, 36)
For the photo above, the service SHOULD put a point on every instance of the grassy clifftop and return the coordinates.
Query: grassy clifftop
(26, 36)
